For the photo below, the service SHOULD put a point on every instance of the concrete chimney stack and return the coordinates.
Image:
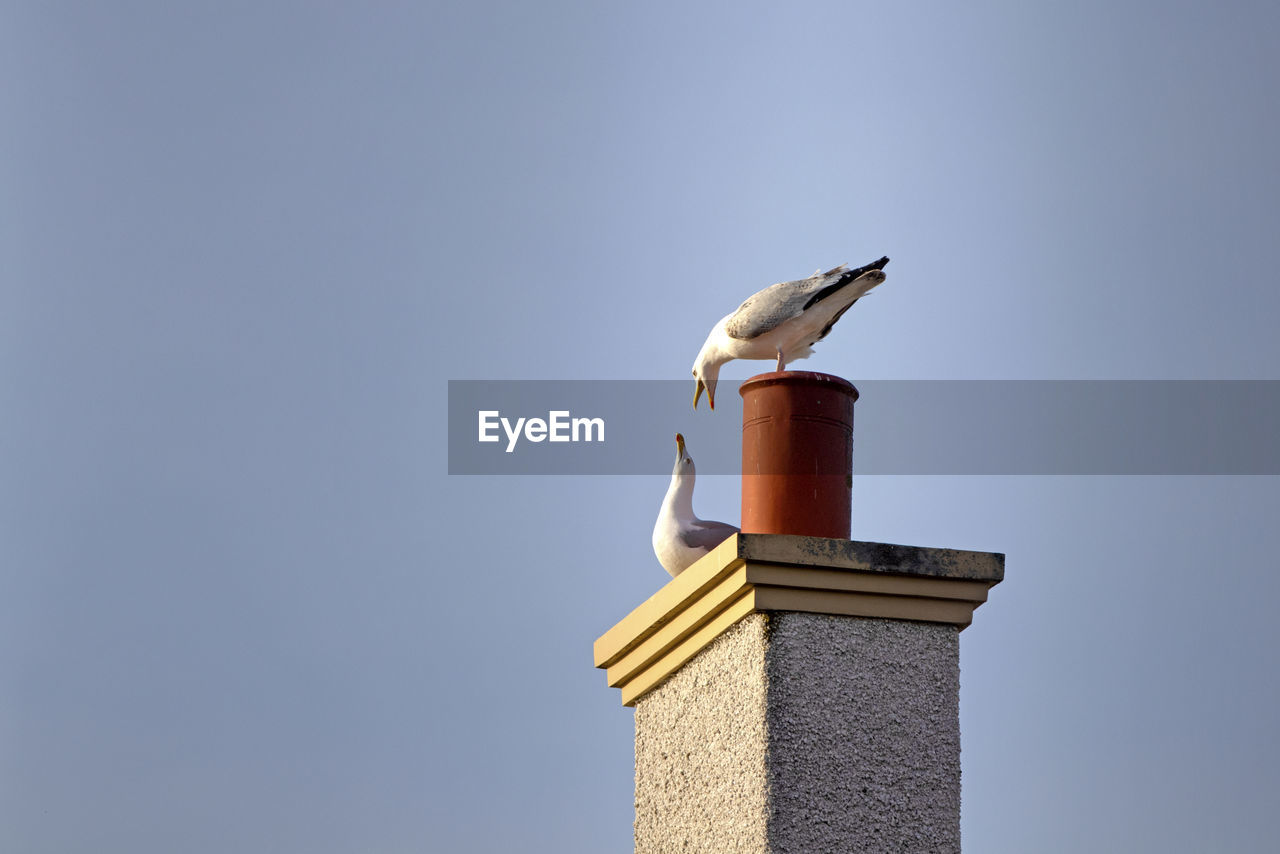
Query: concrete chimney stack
(797, 692)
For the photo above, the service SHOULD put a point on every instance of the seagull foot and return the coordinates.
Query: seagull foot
(782, 365)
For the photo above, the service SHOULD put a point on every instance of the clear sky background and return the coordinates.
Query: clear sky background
(243, 246)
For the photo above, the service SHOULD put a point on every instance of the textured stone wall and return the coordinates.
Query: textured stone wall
(863, 733)
(700, 751)
(797, 732)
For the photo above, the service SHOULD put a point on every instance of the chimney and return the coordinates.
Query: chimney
(795, 690)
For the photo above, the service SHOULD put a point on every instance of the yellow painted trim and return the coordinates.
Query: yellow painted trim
(675, 630)
(857, 582)
(864, 605)
(675, 659)
(761, 572)
(674, 597)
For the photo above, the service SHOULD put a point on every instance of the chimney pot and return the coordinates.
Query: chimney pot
(797, 454)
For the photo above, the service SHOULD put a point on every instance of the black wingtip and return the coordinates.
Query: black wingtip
(862, 271)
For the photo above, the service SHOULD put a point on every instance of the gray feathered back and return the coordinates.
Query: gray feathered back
(779, 303)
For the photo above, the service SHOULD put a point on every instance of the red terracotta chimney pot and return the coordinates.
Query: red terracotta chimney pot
(797, 454)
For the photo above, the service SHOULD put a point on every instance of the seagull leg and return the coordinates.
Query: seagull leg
(782, 365)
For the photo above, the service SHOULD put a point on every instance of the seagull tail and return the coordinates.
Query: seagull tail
(852, 275)
(862, 271)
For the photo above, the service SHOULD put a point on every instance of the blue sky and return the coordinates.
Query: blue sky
(243, 247)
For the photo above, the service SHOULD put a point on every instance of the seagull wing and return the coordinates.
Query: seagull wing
(784, 301)
(706, 535)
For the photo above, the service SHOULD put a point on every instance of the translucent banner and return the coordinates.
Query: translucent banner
(974, 427)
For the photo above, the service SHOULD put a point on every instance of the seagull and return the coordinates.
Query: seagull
(783, 321)
(679, 537)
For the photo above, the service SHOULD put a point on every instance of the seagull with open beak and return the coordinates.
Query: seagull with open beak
(782, 322)
(680, 537)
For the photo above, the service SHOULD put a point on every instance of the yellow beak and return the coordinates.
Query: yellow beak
(697, 395)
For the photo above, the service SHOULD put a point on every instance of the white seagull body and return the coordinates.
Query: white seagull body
(679, 537)
(782, 322)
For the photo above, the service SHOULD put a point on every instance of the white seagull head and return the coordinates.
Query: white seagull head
(684, 463)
